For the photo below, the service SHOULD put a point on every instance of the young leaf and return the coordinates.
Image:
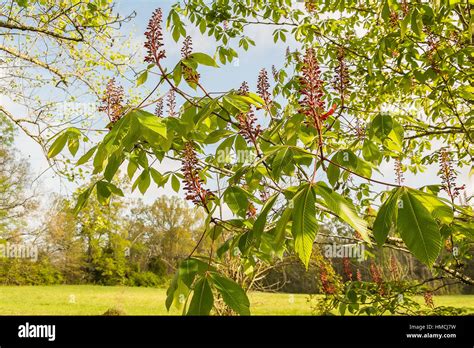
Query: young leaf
(58, 145)
(142, 78)
(175, 183)
(73, 144)
(87, 156)
(82, 199)
(203, 59)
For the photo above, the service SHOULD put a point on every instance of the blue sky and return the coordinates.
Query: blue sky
(227, 77)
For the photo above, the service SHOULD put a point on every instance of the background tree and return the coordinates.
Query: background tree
(17, 194)
(63, 243)
(64, 47)
(167, 229)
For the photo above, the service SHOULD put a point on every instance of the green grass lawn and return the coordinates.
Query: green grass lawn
(95, 300)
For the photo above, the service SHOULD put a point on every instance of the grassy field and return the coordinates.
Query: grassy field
(95, 300)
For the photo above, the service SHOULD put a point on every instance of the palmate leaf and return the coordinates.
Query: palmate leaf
(418, 229)
(304, 226)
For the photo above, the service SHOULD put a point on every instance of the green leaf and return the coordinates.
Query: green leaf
(159, 179)
(58, 145)
(381, 126)
(73, 144)
(22, 3)
(387, 131)
(112, 167)
(466, 92)
(386, 217)
(215, 231)
(144, 181)
(371, 151)
(237, 102)
(189, 268)
(385, 11)
(236, 199)
(439, 210)
(416, 23)
(261, 220)
(203, 300)
(232, 293)
(171, 291)
(203, 59)
(404, 25)
(281, 226)
(394, 142)
(82, 199)
(418, 229)
(142, 78)
(151, 123)
(131, 168)
(175, 183)
(206, 110)
(282, 158)
(333, 173)
(86, 157)
(344, 209)
(103, 192)
(177, 74)
(304, 226)
(258, 227)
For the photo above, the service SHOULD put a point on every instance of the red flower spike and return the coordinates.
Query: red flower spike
(329, 113)
(154, 38)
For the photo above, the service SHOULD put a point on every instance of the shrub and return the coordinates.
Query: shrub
(26, 272)
(147, 279)
(158, 266)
